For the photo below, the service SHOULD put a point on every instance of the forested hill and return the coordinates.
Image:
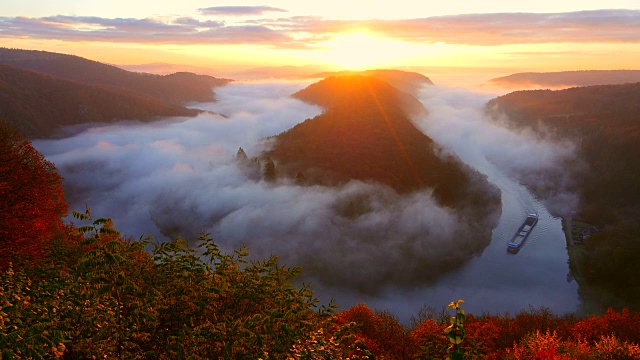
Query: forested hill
(38, 104)
(365, 134)
(569, 78)
(605, 123)
(409, 82)
(177, 88)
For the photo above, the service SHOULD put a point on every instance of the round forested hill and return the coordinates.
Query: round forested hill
(365, 133)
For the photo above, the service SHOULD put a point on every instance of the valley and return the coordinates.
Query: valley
(423, 174)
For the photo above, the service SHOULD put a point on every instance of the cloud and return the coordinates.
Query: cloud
(487, 29)
(178, 177)
(181, 30)
(595, 26)
(546, 53)
(239, 10)
(457, 121)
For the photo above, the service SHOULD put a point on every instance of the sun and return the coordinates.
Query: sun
(362, 50)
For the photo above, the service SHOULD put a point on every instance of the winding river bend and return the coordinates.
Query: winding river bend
(496, 281)
(141, 175)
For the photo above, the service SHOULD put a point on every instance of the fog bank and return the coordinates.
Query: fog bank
(457, 121)
(179, 177)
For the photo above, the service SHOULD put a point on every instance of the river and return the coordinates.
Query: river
(496, 281)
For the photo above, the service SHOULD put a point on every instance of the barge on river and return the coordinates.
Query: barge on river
(523, 232)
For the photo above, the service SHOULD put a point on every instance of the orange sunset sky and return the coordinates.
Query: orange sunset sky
(231, 35)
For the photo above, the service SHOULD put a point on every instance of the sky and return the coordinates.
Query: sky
(358, 34)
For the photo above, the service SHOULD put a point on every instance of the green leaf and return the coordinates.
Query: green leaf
(12, 338)
(79, 216)
(102, 221)
(85, 229)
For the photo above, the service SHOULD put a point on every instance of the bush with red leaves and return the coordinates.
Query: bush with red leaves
(32, 202)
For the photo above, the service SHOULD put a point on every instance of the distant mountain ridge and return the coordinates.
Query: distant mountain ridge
(258, 73)
(177, 88)
(39, 105)
(569, 78)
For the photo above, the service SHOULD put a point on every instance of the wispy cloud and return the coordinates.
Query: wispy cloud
(239, 10)
(485, 29)
(182, 30)
(597, 26)
(546, 53)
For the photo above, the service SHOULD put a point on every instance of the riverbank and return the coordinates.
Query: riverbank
(576, 252)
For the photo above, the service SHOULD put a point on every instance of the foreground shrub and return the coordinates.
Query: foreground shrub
(380, 331)
(31, 200)
(105, 296)
(549, 346)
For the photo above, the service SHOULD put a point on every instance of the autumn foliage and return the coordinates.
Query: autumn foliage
(97, 294)
(533, 334)
(104, 295)
(380, 331)
(32, 199)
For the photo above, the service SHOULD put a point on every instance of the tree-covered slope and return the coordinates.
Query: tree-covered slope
(365, 133)
(177, 88)
(39, 104)
(604, 122)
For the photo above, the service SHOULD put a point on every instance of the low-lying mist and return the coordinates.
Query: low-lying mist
(180, 177)
(457, 121)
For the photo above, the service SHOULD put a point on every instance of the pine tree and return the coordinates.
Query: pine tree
(241, 155)
(269, 170)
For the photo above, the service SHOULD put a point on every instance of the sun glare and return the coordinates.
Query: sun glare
(359, 51)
